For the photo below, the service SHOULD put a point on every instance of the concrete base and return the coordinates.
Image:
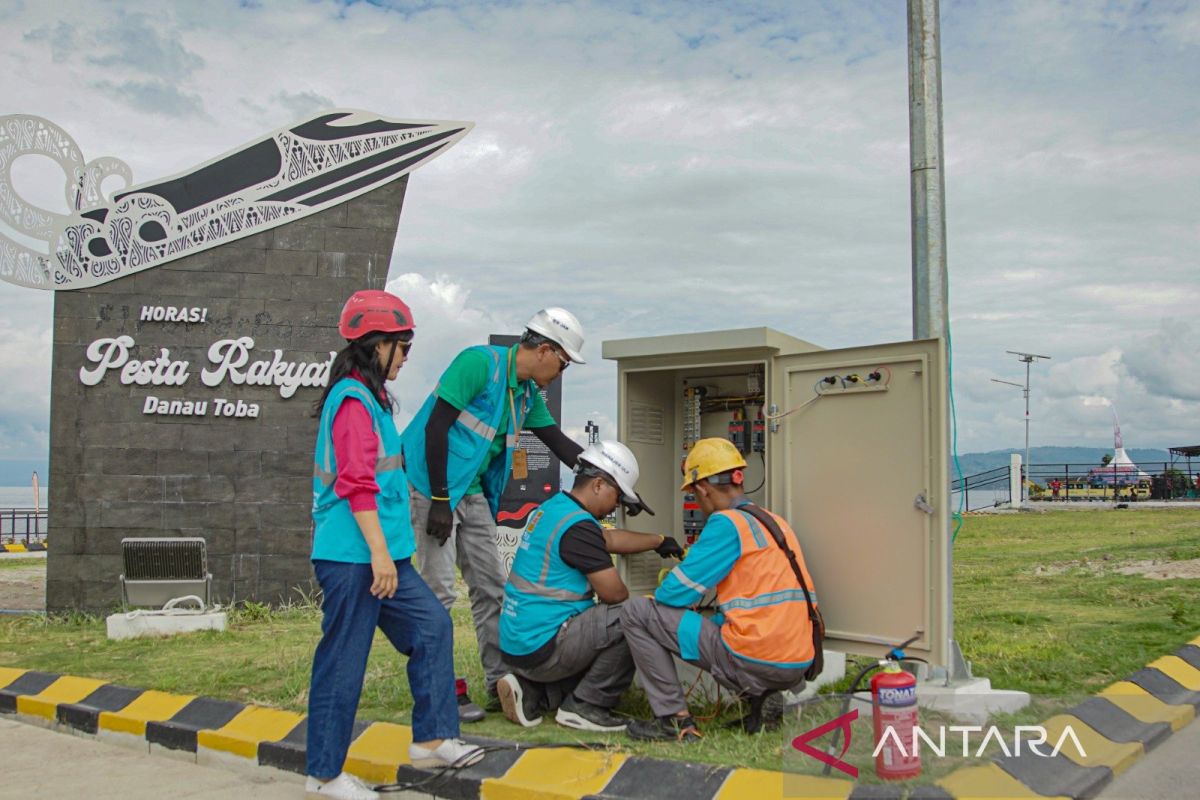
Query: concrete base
(972, 700)
(835, 670)
(123, 626)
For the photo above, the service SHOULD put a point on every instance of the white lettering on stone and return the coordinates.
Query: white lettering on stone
(230, 358)
(175, 408)
(161, 371)
(106, 354)
(173, 314)
(234, 408)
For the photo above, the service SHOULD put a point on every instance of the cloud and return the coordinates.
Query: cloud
(1167, 363)
(301, 104)
(132, 42)
(62, 38)
(153, 97)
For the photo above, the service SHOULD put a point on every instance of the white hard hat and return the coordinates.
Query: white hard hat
(617, 461)
(561, 327)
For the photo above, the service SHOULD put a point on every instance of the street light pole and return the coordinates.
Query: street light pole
(1028, 358)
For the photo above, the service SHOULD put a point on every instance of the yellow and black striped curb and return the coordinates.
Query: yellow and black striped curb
(1116, 727)
(21, 547)
(206, 729)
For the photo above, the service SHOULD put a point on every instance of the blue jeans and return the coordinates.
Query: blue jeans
(414, 622)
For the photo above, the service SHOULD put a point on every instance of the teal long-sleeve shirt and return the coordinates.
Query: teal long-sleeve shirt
(708, 562)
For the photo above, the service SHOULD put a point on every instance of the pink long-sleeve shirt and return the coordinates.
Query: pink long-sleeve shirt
(356, 449)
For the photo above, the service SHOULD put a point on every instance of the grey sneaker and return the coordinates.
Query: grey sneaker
(517, 700)
(468, 711)
(575, 713)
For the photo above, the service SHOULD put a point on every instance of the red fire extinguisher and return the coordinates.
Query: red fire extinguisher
(894, 707)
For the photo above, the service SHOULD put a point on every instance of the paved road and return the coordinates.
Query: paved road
(41, 763)
(45, 764)
(1170, 771)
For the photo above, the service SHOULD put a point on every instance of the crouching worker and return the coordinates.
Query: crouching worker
(566, 652)
(362, 545)
(761, 641)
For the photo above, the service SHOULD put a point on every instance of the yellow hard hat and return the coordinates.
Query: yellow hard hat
(710, 457)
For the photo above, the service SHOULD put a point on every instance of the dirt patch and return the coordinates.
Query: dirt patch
(1158, 569)
(1162, 570)
(23, 588)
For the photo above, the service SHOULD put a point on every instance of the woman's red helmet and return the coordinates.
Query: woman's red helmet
(371, 311)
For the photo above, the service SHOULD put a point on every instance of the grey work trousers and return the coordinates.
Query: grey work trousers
(590, 658)
(472, 545)
(650, 630)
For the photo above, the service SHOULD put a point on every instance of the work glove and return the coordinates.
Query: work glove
(669, 548)
(633, 509)
(440, 521)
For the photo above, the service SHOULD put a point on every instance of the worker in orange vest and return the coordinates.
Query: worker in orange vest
(761, 641)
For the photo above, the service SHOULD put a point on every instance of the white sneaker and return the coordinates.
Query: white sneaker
(343, 787)
(453, 753)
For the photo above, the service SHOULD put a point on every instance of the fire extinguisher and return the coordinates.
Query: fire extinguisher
(894, 705)
(894, 709)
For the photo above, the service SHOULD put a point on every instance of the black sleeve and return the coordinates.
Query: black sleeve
(559, 443)
(582, 547)
(437, 442)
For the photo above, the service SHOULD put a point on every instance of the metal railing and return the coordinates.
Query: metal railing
(24, 525)
(991, 489)
(1151, 480)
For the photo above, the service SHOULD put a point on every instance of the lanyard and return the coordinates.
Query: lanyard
(512, 407)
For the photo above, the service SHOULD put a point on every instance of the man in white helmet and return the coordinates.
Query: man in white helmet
(460, 450)
(566, 651)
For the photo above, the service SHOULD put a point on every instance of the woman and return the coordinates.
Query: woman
(362, 546)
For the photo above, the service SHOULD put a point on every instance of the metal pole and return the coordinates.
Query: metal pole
(931, 313)
(930, 295)
(1028, 470)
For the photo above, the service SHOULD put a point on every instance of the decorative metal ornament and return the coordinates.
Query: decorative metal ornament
(291, 173)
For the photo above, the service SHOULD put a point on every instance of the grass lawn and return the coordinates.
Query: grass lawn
(20, 563)
(1038, 607)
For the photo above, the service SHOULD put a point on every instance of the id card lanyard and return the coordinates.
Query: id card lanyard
(520, 459)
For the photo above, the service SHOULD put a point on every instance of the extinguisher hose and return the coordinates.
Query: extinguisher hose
(837, 734)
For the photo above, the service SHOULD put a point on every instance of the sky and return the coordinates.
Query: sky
(668, 167)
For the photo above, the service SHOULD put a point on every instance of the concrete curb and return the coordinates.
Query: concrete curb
(1117, 726)
(15, 547)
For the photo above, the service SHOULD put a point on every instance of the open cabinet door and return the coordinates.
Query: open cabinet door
(859, 469)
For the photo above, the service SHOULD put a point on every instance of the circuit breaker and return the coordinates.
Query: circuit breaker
(848, 445)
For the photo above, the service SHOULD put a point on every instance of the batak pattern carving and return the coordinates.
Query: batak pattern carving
(291, 173)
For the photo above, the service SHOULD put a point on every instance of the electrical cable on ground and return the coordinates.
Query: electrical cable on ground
(449, 769)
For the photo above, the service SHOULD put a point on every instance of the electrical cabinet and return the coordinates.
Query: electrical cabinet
(849, 445)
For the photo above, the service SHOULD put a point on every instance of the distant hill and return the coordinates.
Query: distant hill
(973, 463)
(19, 471)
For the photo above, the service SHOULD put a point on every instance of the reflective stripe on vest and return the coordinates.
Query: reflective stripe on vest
(766, 617)
(471, 435)
(336, 535)
(542, 591)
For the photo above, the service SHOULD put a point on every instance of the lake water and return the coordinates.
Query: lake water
(20, 496)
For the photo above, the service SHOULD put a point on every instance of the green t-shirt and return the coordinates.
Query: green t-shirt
(467, 377)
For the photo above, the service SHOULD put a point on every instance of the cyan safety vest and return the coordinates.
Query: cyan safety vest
(472, 434)
(336, 535)
(542, 591)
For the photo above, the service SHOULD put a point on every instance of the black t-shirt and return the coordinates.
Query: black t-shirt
(581, 547)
